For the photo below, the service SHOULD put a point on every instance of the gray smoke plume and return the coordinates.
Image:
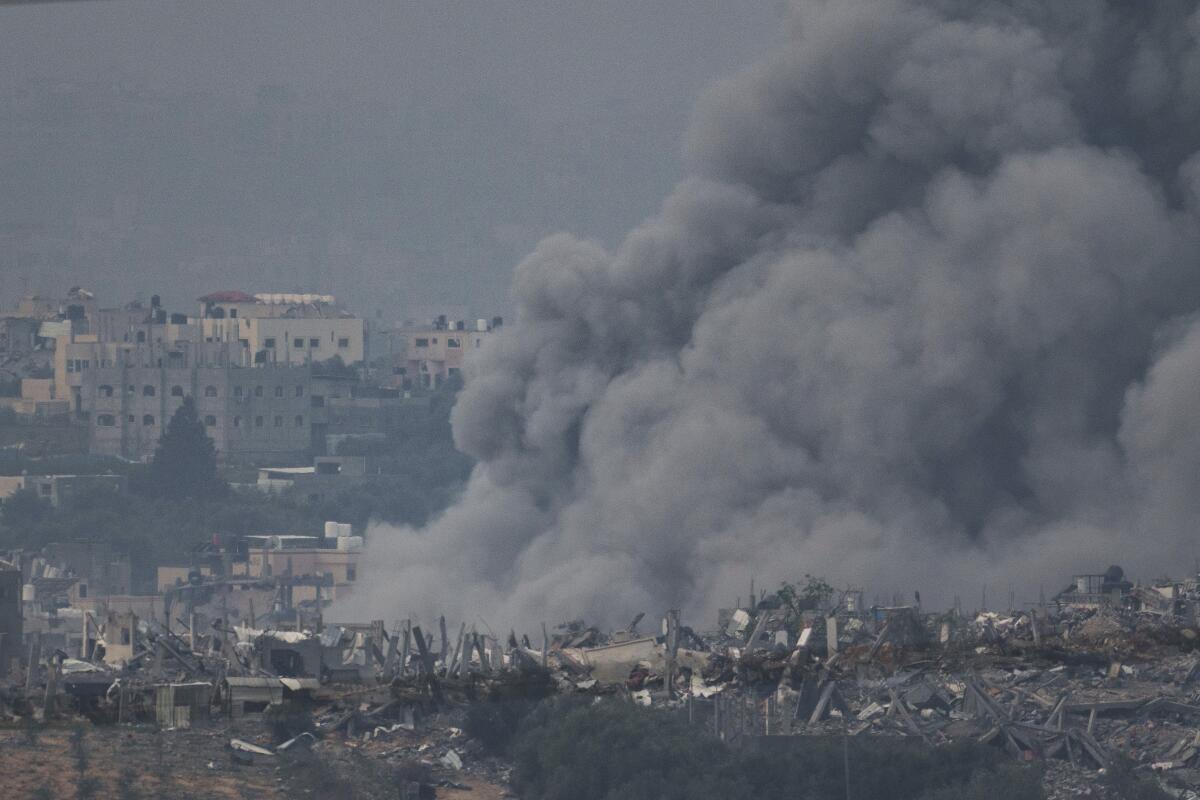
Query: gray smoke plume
(919, 320)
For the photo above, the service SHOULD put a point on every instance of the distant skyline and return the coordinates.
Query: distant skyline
(400, 155)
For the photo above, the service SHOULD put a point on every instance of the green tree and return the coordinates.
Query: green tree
(24, 509)
(185, 462)
(810, 595)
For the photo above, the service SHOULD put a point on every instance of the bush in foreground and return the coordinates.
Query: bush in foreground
(575, 750)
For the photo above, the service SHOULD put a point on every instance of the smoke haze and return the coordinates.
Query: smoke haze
(400, 154)
(920, 318)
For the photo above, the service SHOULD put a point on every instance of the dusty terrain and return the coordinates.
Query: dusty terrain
(131, 762)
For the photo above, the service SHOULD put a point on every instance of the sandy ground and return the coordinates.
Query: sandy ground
(141, 762)
(128, 763)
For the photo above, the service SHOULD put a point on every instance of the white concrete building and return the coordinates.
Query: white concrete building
(283, 328)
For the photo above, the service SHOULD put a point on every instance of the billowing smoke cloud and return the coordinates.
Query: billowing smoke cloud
(919, 320)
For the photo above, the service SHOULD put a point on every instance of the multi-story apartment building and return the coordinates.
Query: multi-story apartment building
(283, 328)
(246, 360)
(127, 394)
(430, 355)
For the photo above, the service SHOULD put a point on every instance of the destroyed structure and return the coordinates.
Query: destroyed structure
(1105, 669)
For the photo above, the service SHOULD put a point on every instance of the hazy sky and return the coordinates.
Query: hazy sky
(401, 154)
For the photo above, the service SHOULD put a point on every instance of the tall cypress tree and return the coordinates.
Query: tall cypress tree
(185, 462)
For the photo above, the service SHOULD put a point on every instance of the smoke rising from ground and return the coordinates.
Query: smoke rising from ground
(919, 320)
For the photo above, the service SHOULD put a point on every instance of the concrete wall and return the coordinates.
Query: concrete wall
(341, 564)
(61, 489)
(431, 356)
(10, 485)
(251, 414)
(288, 340)
(612, 663)
(37, 389)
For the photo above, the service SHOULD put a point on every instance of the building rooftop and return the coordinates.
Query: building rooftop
(229, 296)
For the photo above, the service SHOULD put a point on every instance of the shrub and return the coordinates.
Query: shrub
(571, 749)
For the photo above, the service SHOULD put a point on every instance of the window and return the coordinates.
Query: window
(106, 391)
(210, 391)
(141, 337)
(299, 421)
(210, 421)
(233, 313)
(237, 391)
(298, 344)
(314, 343)
(258, 391)
(258, 422)
(148, 419)
(278, 421)
(148, 391)
(279, 391)
(343, 343)
(131, 419)
(82, 590)
(176, 391)
(422, 343)
(237, 422)
(434, 341)
(452, 343)
(351, 572)
(106, 420)
(299, 391)
(46, 489)
(131, 388)
(269, 343)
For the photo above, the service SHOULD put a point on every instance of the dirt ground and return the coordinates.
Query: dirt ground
(141, 762)
(128, 763)
(485, 791)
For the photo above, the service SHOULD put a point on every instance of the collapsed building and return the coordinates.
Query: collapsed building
(1105, 669)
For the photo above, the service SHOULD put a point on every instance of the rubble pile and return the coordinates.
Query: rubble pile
(1081, 683)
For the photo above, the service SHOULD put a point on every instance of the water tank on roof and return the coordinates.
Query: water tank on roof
(349, 543)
